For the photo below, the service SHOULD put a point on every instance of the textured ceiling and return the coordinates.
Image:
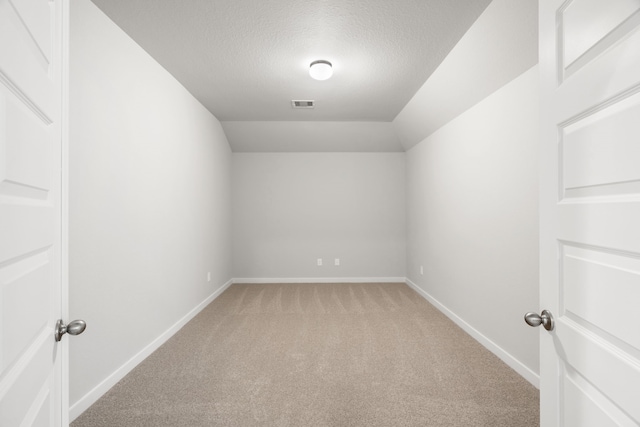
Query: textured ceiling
(245, 60)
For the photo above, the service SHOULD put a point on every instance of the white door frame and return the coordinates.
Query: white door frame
(64, 22)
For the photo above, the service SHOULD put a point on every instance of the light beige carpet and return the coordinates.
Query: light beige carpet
(319, 355)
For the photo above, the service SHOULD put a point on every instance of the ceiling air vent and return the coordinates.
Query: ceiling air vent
(297, 103)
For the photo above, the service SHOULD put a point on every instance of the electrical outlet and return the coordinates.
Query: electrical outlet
(336, 261)
(208, 276)
(421, 270)
(319, 262)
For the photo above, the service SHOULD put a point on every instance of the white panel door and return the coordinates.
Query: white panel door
(30, 212)
(590, 212)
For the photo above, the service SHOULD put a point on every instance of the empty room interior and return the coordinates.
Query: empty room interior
(327, 260)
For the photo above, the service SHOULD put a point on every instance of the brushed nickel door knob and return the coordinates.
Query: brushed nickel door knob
(545, 319)
(75, 327)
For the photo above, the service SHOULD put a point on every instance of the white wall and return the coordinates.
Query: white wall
(150, 172)
(291, 208)
(472, 209)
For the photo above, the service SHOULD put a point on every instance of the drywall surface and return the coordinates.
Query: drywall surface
(306, 136)
(149, 191)
(289, 209)
(246, 59)
(499, 46)
(472, 217)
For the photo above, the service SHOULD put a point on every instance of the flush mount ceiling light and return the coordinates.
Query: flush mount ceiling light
(320, 70)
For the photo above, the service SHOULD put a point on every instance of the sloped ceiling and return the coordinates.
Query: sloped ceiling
(245, 60)
(501, 45)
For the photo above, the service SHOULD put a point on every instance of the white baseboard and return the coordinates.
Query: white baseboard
(253, 280)
(506, 357)
(98, 391)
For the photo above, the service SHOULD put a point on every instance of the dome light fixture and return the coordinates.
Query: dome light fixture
(320, 69)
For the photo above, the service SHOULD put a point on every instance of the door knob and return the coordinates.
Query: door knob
(545, 319)
(75, 327)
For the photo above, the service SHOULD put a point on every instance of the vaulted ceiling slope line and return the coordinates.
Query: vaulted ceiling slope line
(245, 60)
(310, 136)
(501, 45)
